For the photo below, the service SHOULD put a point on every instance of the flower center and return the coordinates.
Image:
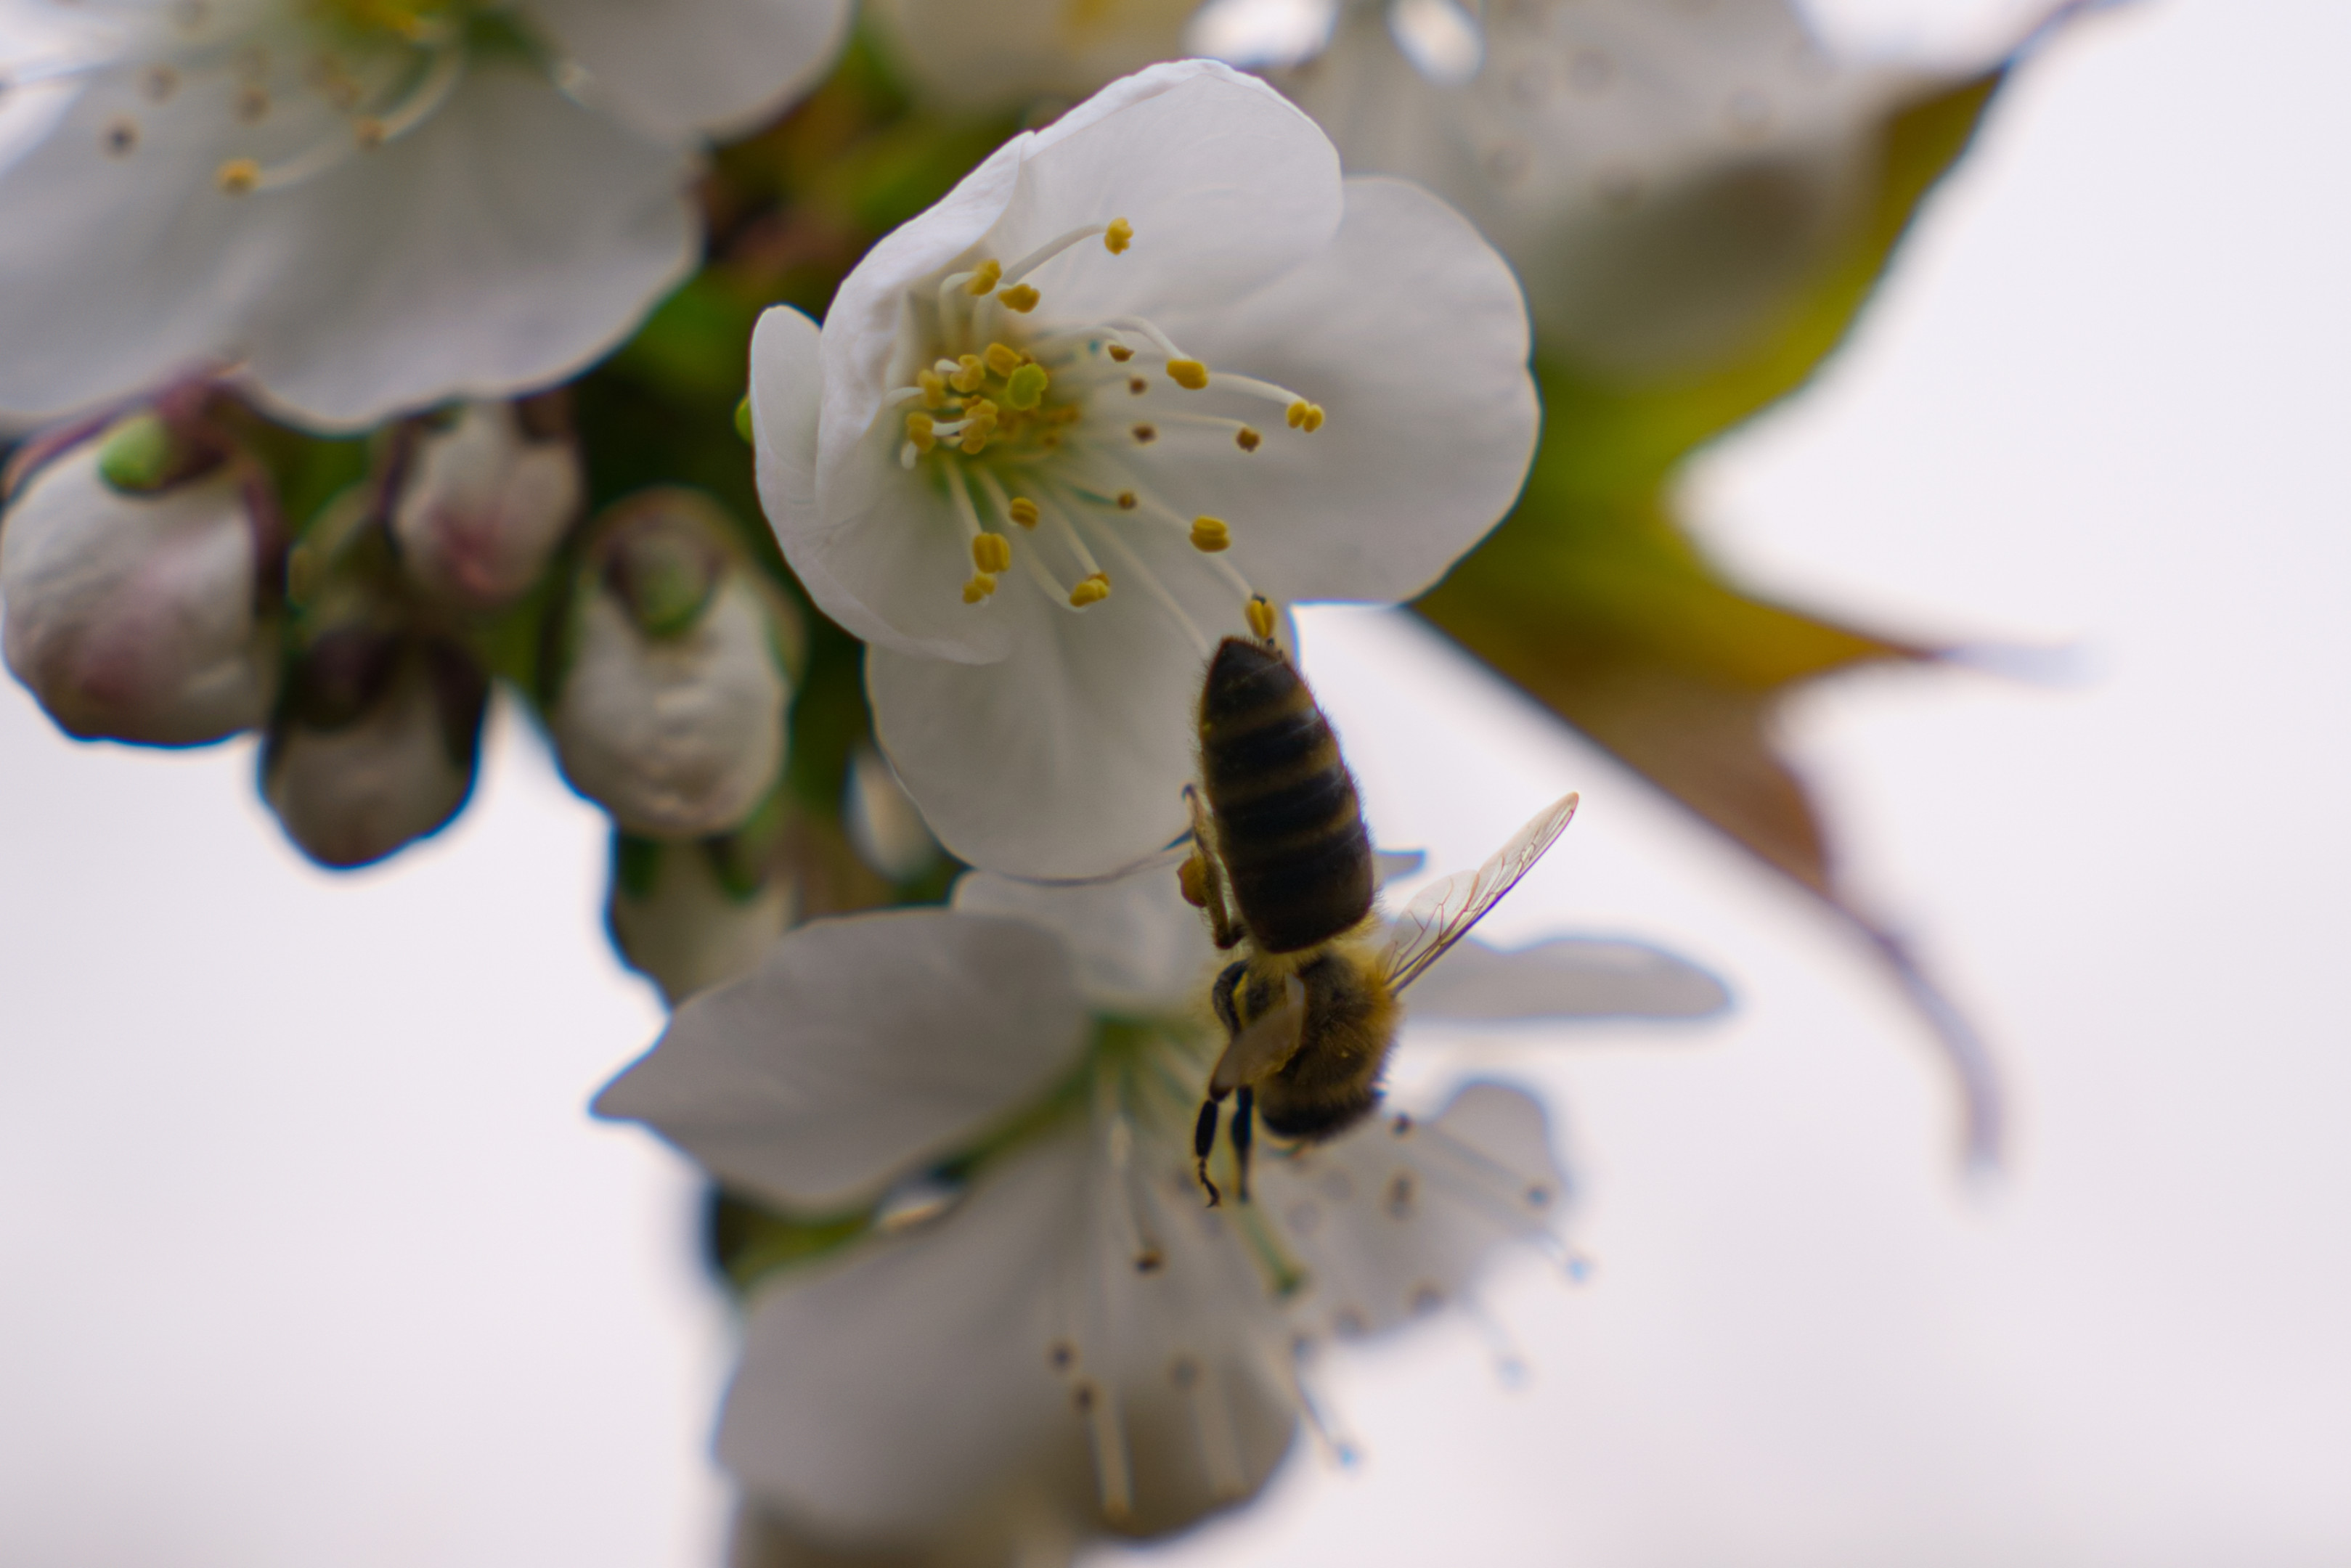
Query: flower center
(293, 91)
(1029, 427)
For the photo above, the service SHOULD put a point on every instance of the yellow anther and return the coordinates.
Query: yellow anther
(1144, 435)
(1002, 358)
(1020, 298)
(978, 588)
(1090, 590)
(979, 424)
(1189, 375)
(1137, 385)
(1126, 500)
(1118, 237)
(968, 378)
(991, 552)
(1024, 511)
(1119, 353)
(984, 279)
(934, 385)
(1210, 535)
(1026, 390)
(1247, 439)
(1304, 415)
(919, 430)
(1261, 617)
(238, 176)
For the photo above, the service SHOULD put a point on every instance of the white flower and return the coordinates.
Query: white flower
(1059, 430)
(482, 505)
(1048, 1322)
(376, 745)
(135, 615)
(1666, 177)
(670, 710)
(367, 204)
(1007, 52)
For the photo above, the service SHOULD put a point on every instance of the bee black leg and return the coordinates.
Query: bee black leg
(1203, 1143)
(1243, 1132)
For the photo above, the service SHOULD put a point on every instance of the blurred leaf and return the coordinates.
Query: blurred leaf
(1592, 598)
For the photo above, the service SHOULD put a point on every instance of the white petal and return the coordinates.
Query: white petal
(506, 243)
(714, 66)
(1139, 947)
(1398, 1219)
(688, 930)
(857, 1049)
(787, 391)
(1568, 977)
(1411, 332)
(1007, 52)
(884, 1396)
(131, 618)
(1068, 758)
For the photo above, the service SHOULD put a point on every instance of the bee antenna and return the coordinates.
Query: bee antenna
(1203, 1143)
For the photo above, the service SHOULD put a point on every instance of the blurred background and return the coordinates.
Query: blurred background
(312, 1257)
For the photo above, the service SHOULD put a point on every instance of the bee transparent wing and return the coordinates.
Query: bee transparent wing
(1445, 911)
(1264, 1045)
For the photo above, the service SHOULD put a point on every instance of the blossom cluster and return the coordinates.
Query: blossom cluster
(367, 362)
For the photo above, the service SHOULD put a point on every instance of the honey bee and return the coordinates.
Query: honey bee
(1282, 867)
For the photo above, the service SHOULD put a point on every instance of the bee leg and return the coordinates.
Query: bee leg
(1243, 1132)
(1203, 1142)
(1205, 885)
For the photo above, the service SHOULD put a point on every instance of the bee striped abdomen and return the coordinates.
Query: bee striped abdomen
(1289, 830)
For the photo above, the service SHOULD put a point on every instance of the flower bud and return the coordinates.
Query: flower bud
(682, 919)
(376, 743)
(482, 503)
(883, 821)
(674, 678)
(134, 614)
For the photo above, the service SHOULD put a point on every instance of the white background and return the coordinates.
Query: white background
(310, 1257)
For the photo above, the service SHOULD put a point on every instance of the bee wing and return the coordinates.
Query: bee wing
(1445, 911)
(1264, 1045)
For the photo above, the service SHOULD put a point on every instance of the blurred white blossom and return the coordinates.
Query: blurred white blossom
(134, 612)
(1049, 1335)
(482, 502)
(1010, 52)
(364, 205)
(1057, 432)
(674, 679)
(1666, 177)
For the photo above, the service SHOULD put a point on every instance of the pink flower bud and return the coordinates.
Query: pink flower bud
(483, 504)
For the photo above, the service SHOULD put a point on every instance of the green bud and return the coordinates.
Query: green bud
(138, 455)
(743, 417)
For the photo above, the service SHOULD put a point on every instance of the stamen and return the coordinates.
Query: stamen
(1020, 298)
(1001, 358)
(1189, 375)
(981, 587)
(1137, 385)
(1099, 1403)
(1165, 344)
(238, 176)
(932, 385)
(1092, 589)
(981, 282)
(1117, 235)
(1119, 351)
(1144, 435)
(922, 432)
(441, 80)
(991, 553)
(1306, 416)
(1262, 617)
(1210, 535)
(1130, 561)
(1247, 439)
(1212, 1425)
(1023, 511)
(1126, 500)
(969, 374)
